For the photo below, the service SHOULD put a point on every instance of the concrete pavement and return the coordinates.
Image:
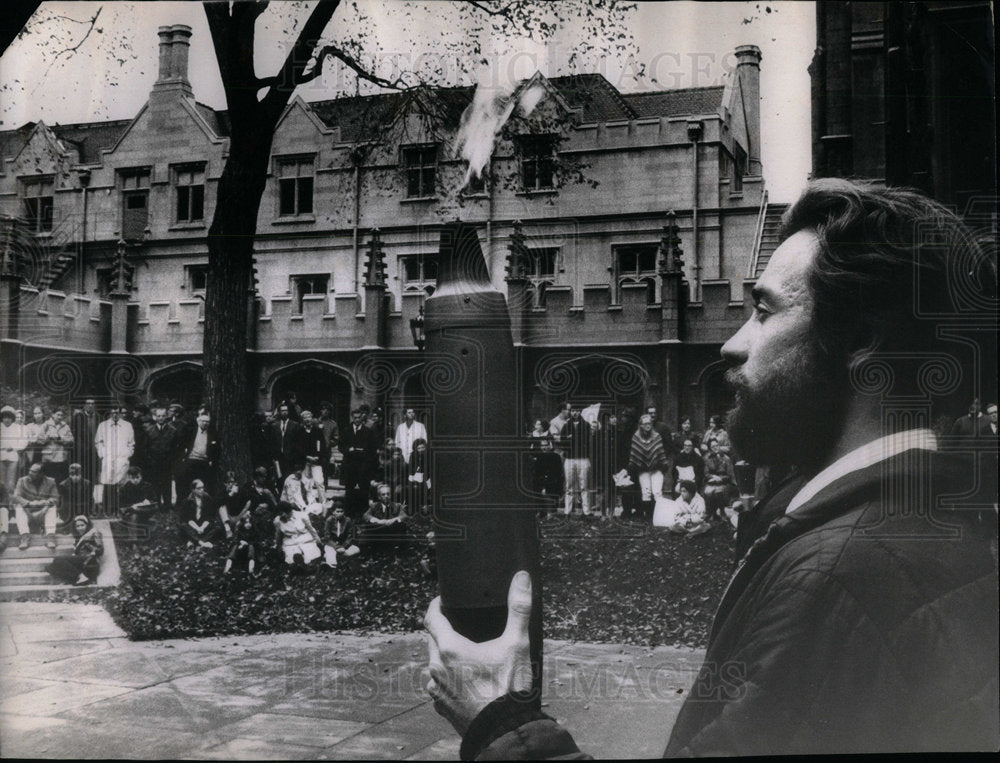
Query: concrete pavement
(72, 685)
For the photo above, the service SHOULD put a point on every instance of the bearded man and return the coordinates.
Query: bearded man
(863, 616)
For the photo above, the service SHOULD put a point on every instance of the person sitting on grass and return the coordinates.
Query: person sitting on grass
(297, 538)
(341, 536)
(720, 481)
(84, 565)
(76, 495)
(689, 514)
(197, 517)
(307, 495)
(260, 497)
(245, 542)
(233, 504)
(138, 501)
(384, 520)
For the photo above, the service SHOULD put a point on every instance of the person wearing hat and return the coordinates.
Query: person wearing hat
(12, 442)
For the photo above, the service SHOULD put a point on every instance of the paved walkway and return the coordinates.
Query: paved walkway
(72, 685)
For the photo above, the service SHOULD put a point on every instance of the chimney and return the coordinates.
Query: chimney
(748, 74)
(174, 45)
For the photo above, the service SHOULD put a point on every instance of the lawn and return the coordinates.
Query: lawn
(603, 582)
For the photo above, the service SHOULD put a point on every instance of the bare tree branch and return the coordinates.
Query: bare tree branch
(73, 48)
(290, 74)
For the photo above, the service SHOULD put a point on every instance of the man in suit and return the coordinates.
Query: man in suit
(84, 425)
(863, 616)
(199, 457)
(359, 444)
(972, 423)
(286, 443)
(161, 444)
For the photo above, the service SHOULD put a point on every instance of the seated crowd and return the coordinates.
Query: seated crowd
(622, 466)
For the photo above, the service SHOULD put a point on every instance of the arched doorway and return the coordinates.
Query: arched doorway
(313, 382)
(179, 383)
(614, 381)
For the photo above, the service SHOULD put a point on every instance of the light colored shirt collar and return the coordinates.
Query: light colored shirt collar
(874, 452)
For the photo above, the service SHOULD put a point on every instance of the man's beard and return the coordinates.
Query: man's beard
(795, 414)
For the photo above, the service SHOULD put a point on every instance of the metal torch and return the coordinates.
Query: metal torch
(484, 522)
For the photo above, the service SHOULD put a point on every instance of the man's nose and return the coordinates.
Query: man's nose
(735, 350)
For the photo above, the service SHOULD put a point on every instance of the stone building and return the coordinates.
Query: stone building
(585, 204)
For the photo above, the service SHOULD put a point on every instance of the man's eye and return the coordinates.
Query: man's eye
(760, 312)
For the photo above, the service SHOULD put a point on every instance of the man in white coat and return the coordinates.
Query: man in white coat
(115, 443)
(408, 432)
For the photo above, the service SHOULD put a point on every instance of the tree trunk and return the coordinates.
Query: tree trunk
(228, 387)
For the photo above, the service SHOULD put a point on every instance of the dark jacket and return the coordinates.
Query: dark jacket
(212, 447)
(857, 623)
(359, 447)
(287, 448)
(159, 447)
(313, 443)
(347, 535)
(575, 438)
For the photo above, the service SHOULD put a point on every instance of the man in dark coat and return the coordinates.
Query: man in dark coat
(286, 443)
(199, 455)
(161, 444)
(359, 444)
(84, 425)
(863, 616)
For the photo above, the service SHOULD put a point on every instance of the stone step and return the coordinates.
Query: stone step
(36, 549)
(39, 592)
(24, 578)
(10, 563)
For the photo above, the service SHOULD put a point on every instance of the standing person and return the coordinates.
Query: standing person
(332, 434)
(601, 456)
(12, 443)
(314, 446)
(556, 424)
(409, 431)
(419, 480)
(57, 446)
(199, 452)
(667, 438)
(647, 460)
(840, 625)
(286, 443)
(115, 444)
(547, 475)
(35, 502)
(84, 424)
(539, 430)
(34, 434)
(576, 442)
(161, 448)
(969, 424)
(359, 446)
(620, 429)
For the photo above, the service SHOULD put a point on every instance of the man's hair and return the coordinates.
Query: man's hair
(687, 485)
(891, 264)
(135, 471)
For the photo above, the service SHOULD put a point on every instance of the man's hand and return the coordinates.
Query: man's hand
(465, 676)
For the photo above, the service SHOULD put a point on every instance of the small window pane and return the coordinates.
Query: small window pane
(305, 195)
(286, 189)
